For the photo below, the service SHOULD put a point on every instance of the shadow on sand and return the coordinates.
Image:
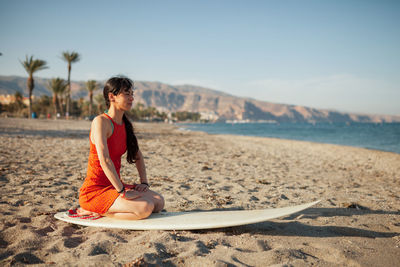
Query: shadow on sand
(295, 228)
(313, 213)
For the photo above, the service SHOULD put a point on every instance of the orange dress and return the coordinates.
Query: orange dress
(97, 194)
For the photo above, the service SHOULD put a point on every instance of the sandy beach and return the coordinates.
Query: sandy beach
(357, 223)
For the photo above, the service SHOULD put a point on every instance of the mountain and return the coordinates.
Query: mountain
(214, 104)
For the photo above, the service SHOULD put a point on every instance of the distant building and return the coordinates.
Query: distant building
(209, 116)
(7, 99)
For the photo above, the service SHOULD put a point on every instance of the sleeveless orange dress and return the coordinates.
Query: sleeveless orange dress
(97, 194)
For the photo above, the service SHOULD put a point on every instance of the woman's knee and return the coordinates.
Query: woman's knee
(157, 199)
(145, 209)
(159, 203)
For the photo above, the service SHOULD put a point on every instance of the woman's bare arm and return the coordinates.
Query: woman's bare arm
(101, 130)
(141, 167)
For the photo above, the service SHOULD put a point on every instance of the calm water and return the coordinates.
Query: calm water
(384, 137)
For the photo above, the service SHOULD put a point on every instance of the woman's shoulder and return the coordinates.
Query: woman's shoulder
(101, 121)
(101, 125)
(100, 117)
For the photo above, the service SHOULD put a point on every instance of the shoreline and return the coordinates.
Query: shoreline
(179, 126)
(396, 150)
(296, 140)
(43, 164)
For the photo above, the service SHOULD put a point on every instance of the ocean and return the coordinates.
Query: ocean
(385, 136)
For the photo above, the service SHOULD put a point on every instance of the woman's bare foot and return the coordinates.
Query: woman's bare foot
(82, 212)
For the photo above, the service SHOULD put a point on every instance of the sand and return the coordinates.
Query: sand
(357, 223)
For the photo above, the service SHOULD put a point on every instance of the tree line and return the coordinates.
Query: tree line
(60, 103)
(32, 66)
(49, 106)
(54, 106)
(57, 85)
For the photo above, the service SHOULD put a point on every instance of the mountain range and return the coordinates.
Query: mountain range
(213, 104)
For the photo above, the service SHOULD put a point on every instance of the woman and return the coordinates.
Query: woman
(111, 134)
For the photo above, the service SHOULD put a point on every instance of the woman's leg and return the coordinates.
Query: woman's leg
(136, 209)
(157, 199)
(154, 196)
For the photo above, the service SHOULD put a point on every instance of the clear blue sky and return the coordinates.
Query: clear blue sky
(341, 54)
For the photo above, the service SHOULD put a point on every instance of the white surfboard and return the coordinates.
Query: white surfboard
(191, 220)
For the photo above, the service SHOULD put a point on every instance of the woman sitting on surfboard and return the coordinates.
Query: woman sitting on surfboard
(111, 135)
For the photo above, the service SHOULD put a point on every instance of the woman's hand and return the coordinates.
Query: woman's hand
(129, 186)
(141, 187)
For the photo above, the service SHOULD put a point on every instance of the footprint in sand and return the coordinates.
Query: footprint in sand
(25, 258)
(73, 242)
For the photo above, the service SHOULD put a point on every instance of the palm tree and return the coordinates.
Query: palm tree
(57, 86)
(61, 99)
(70, 57)
(31, 66)
(91, 86)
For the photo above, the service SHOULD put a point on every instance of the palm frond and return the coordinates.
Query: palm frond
(71, 57)
(91, 85)
(57, 86)
(33, 65)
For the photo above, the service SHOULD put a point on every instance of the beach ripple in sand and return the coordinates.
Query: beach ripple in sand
(43, 164)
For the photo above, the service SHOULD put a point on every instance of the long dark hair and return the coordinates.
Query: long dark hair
(117, 85)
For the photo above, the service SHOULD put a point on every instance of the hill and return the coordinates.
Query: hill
(217, 105)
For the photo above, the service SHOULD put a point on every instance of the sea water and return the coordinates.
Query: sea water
(382, 136)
